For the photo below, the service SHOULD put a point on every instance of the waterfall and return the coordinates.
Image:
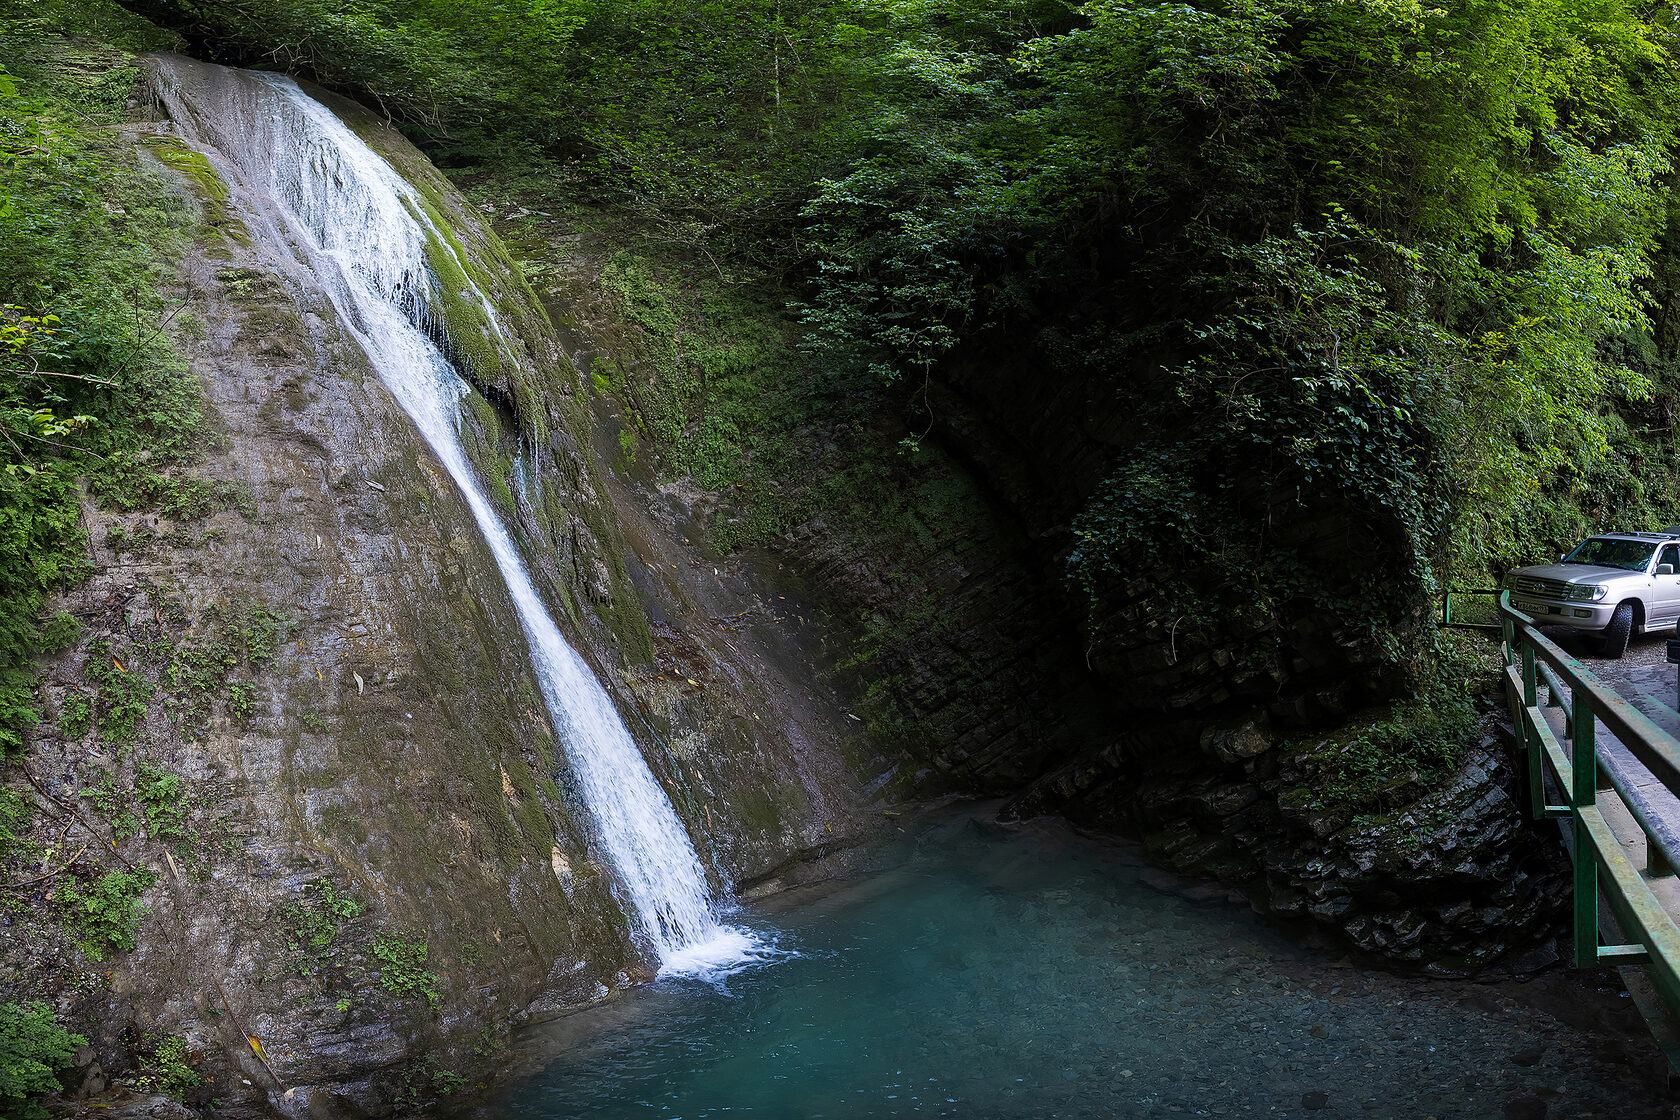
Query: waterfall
(363, 233)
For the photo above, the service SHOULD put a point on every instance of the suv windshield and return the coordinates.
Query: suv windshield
(1605, 552)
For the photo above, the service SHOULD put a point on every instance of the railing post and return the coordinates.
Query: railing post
(1583, 755)
(1656, 864)
(1531, 737)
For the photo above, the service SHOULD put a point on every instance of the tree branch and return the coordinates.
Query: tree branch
(54, 373)
(48, 875)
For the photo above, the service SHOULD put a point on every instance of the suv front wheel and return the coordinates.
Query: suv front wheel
(1613, 641)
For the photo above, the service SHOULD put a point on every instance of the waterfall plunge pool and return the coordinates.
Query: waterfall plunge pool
(1028, 972)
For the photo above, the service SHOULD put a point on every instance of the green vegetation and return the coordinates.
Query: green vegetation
(89, 385)
(489, 1041)
(106, 914)
(1347, 256)
(124, 696)
(241, 701)
(113, 804)
(1357, 298)
(315, 925)
(32, 1048)
(75, 715)
(15, 814)
(164, 802)
(168, 1070)
(1384, 760)
(402, 967)
(1381, 764)
(60, 632)
(424, 1082)
(312, 926)
(158, 802)
(711, 377)
(447, 1082)
(229, 636)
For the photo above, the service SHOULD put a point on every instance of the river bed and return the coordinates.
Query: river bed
(1030, 972)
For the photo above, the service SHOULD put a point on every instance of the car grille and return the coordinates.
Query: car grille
(1533, 585)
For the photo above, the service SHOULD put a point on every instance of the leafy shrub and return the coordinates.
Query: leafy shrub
(75, 715)
(314, 927)
(60, 632)
(112, 804)
(15, 815)
(32, 1047)
(1384, 763)
(124, 693)
(402, 967)
(168, 1070)
(241, 701)
(107, 914)
(164, 801)
(86, 380)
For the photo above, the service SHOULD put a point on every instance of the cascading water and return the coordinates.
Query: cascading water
(362, 231)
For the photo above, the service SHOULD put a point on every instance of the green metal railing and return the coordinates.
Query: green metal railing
(1576, 773)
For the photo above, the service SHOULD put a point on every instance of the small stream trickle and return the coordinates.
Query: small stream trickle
(363, 233)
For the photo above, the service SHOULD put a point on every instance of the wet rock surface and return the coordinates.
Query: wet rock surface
(369, 865)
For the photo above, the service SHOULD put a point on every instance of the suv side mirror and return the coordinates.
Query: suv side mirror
(1665, 569)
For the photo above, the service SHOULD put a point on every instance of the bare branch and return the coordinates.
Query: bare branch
(42, 878)
(54, 373)
(55, 443)
(141, 345)
(24, 766)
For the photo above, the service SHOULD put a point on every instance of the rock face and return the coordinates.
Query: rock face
(1452, 879)
(995, 676)
(302, 708)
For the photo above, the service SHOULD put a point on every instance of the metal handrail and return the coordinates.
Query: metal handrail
(1530, 657)
(1655, 748)
(1662, 853)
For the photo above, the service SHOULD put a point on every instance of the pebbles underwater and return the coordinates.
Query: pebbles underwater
(1029, 972)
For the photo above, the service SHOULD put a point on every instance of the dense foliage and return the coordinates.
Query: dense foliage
(1368, 254)
(89, 387)
(33, 1047)
(1392, 257)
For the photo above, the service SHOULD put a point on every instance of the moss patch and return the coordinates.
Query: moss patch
(206, 184)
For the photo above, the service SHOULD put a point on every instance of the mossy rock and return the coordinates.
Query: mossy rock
(206, 184)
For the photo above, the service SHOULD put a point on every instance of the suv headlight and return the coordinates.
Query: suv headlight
(1587, 592)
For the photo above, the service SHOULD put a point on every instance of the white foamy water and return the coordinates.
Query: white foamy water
(362, 232)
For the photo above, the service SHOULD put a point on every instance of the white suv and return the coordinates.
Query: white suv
(1613, 583)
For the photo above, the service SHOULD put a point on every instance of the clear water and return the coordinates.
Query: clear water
(1034, 974)
(360, 232)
